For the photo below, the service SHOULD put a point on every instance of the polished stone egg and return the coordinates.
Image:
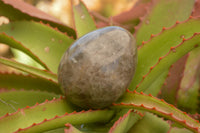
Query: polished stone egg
(97, 68)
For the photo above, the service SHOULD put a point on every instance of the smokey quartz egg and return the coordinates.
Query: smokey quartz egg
(97, 68)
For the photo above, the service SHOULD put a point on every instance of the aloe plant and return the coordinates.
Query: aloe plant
(163, 95)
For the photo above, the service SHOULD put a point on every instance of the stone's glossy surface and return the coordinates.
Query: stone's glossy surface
(97, 69)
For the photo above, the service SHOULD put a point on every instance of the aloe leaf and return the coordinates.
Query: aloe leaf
(19, 10)
(168, 38)
(122, 124)
(189, 87)
(150, 124)
(160, 107)
(34, 71)
(164, 13)
(71, 129)
(12, 100)
(31, 115)
(28, 82)
(165, 61)
(45, 42)
(17, 45)
(150, 26)
(50, 115)
(82, 20)
(73, 118)
(172, 83)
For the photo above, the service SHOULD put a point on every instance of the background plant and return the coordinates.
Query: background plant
(168, 68)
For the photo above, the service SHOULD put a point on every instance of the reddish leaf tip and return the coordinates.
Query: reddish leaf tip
(66, 113)
(152, 35)
(44, 120)
(190, 17)
(162, 100)
(142, 105)
(154, 108)
(172, 48)
(184, 39)
(171, 114)
(46, 100)
(34, 124)
(184, 121)
(150, 95)
(56, 116)
(18, 130)
(143, 42)
(164, 28)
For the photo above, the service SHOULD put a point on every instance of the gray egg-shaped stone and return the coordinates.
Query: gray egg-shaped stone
(97, 68)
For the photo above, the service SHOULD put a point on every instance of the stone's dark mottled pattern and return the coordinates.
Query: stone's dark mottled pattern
(97, 69)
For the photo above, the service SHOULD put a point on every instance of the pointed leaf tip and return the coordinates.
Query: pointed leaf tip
(83, 21)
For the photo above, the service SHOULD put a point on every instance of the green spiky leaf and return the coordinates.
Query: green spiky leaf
(167, 12)
(169, 39)
(160, 107)
(45, 42)
(82, 19)
(164, 62)
(12, 100)
(34, 71)
(19, 10)
(27, 82)
(17, 45)
(160, 11)
(50, 115)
